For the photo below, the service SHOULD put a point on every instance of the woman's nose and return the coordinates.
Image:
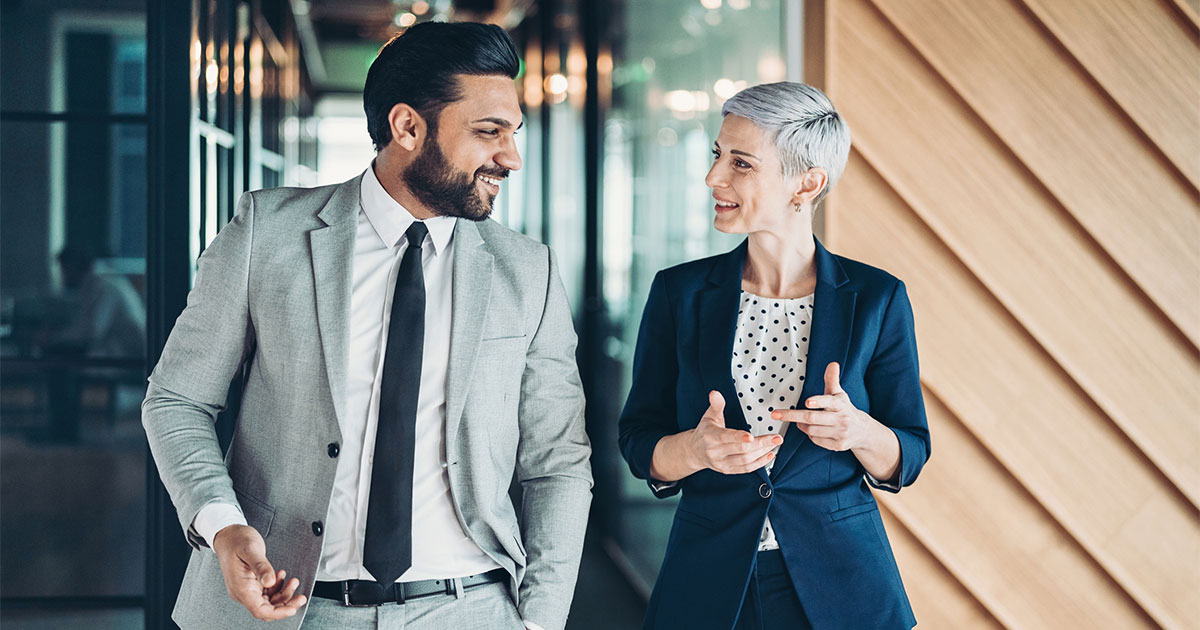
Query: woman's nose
(714, 179)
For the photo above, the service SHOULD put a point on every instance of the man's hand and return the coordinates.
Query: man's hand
(249, 577)
(728, 451)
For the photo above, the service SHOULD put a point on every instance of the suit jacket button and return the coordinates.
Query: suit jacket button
(764, 491)
(334, 449)
(318, 528)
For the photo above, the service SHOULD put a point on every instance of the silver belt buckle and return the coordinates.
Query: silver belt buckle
(346, 597)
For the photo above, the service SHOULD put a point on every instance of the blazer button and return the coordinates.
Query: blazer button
(318, 528)
(334, 449)
(764, 491)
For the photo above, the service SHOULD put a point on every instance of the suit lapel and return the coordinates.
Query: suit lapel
(717, 306)
(332, 261)
(833, 316)
(472, 290)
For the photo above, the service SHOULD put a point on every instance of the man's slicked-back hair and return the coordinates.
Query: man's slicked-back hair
(417, 67)
(807, 131)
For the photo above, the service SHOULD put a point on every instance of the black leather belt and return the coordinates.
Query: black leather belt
(369, 593)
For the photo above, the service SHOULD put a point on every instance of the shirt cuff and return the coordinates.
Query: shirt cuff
(215, 516)
(659, 486)
(883, 485)
(529, 625)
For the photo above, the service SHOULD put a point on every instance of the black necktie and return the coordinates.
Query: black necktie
(387, 550)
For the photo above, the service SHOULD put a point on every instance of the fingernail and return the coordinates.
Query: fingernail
(770, 455)
(777, 415)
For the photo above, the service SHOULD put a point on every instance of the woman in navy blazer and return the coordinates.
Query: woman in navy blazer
(776, 531)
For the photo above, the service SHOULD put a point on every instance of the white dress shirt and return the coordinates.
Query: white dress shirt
(441, 548)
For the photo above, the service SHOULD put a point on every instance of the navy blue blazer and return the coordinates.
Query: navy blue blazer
(823, 513)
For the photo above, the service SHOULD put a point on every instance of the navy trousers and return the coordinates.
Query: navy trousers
(771, 602)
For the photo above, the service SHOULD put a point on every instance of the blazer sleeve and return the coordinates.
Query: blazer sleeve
(649, 413)
(553, 462)
(211, 339)
(893, 382)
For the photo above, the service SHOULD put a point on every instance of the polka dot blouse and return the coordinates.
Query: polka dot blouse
(769, 353)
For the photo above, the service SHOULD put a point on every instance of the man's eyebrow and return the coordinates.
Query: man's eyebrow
(738, 152)
(498, 121)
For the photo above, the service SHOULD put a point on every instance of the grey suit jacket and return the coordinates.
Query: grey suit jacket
(273, 290)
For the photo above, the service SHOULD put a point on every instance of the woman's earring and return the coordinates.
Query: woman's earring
(798, 207)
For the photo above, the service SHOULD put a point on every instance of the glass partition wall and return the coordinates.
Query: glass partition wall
(130, 128)
(672, 64)
(72, 314)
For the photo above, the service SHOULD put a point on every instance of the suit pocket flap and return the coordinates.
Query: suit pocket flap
(838, 515)
(504, 337)
(694, 518)
(258, 515)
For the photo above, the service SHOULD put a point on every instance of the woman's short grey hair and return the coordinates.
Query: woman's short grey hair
(807, 131)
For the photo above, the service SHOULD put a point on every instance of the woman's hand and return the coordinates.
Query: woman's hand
(834, 423)
(711, 445)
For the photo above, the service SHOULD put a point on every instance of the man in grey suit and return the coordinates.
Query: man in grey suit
(407, 358)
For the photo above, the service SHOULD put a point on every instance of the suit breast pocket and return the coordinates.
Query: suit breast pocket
(496, 383)
(504, 354)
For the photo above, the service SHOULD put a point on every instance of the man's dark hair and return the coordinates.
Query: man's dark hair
(418, 66)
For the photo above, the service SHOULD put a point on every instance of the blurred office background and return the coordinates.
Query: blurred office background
(1029, 167)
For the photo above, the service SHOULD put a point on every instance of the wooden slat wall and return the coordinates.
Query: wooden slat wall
(1030, 169)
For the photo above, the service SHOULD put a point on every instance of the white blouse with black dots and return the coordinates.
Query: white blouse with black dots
(769, 353)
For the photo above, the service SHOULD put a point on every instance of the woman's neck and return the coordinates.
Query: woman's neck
(780, 268)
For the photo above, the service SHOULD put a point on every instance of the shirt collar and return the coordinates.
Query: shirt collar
(391, 220)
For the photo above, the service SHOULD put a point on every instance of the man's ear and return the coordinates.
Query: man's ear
(408, 127)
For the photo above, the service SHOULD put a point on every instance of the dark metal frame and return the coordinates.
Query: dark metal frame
(168, 267)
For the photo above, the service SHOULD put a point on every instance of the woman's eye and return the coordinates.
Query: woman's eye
(715, 153)
(741, 164)
(490, 132)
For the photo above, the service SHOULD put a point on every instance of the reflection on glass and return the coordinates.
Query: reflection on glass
(72, 346)
(72, 317)
(673, 64)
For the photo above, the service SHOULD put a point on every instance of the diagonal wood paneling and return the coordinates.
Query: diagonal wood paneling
(1189, 10)
(1051, 439)
(1147, 37)
(938, 598)
(968, 498)
(985, 204)
(1030, 169)
(1094, 156)
(1076, 142)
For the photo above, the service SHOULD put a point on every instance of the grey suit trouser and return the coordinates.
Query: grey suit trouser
(486, 607)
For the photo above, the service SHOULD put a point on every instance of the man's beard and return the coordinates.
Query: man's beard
(444, 190)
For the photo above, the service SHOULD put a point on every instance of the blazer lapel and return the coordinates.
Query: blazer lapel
(472, 290)
(332, 261)
(718, 312)
(833, 315)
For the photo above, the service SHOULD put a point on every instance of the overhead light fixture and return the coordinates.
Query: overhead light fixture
(724, 89)
(557, 84)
